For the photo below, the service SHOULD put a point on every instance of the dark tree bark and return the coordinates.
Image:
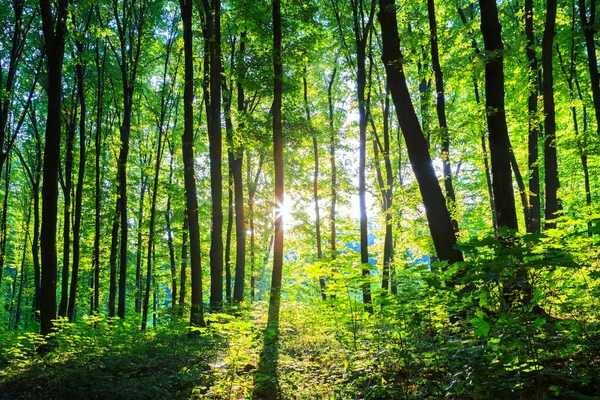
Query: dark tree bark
(315, 184)
(170, 231)
(496, 116)
(3, 233)
(130, 23)
(276, 277)
(211, 27)
(54, 39)
(161, 123)
(66, 184)
(15, 325)
(361, 32)
(139, 285)
(114, 249)
(197, 312)
(252, 185)
(184, 256)
(589, 30)
(534, 214)
(229, 230)
(440, 223)
(80, 69)
(441, 111)
(100, 68)
(551, 183)
(238, 186)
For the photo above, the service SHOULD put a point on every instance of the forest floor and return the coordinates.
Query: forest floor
(319, 355)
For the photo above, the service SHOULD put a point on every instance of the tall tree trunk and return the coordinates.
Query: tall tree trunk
(252, 184)
(441, 112)
(589, 30)
(184, 256)
(114, 249)
(54, 39)
(360, 35)
(552, 204)
(332, 147)
(315, 184)
(228, 235)
(170, 233)
(212, 36)
(496, 116)
(100, 68)
(67, 187)
(139, 285)
(79, 189)
(534, 214)
(238, 185)
(440, 223)
(22, 271)
(197, 312)
(3, 230)
(276, 277)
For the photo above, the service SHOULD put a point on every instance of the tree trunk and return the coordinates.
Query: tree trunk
(184, 255)
(360, 35)
(441, 113)
(252, 184)
(67, 187)
(79, 189)
(496, 117)
(332, 147)
(170, 233)
(212, 36)
(140, 222)
(440, 223)
(100, 68)
(551, 183)
(114, 249)
(238, 184)
(3, 226)
(54, 40)
(315, 185)
(22, 271)
(229, 231)
(276, 277)
(534, 214)
(197, 312)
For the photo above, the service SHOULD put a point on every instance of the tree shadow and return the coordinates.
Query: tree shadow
(266, 377)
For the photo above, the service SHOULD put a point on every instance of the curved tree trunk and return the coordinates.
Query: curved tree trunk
(440, 223)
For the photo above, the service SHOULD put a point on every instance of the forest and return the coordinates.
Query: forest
(299, 199)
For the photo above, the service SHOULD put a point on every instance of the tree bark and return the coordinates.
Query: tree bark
(496, 117)
(80, 178)
(551, 183)
(441, 112)
(67, 183)
(534, 214)
(212, 36)
(197, 312)
(276, 277)
(140, 223)
(440, 223)
(54, 39)
(315, 184)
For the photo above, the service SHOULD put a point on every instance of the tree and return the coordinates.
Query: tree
(197, 312)
(276, 277)
(440, 223)
(552, 205)
(55, 28)
(211, 29)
